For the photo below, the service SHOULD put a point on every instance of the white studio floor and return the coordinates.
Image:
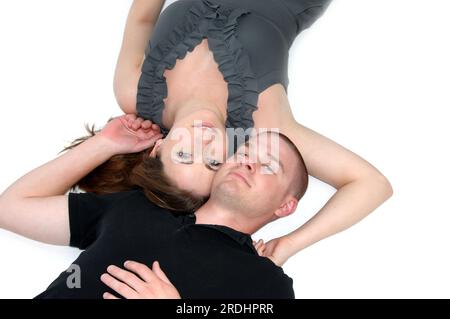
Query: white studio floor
(373, 75)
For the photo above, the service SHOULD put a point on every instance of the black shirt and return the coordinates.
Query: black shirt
(202, 261)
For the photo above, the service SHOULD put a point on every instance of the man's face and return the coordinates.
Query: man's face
(258, 178)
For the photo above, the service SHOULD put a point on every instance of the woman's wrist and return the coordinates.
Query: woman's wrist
(103, 146)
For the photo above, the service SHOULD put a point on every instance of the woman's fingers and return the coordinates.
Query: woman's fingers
(130, 117)
(146, 124)
(137, 123)
(260, 246)
(156, 127)
(147, 143)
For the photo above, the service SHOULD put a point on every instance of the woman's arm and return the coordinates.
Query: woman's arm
(35, 205)
(141, 19)
(361, 188)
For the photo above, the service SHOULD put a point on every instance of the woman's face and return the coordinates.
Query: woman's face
(192, 153)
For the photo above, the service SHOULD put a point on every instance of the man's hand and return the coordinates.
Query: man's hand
(278, 250)
(140, 282)
(130, 134)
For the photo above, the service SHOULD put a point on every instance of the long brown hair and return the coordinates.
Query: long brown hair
(133, 171)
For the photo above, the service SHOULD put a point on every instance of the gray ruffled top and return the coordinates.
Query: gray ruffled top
(250, 40)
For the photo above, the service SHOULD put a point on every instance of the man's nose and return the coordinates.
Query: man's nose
(247, 164)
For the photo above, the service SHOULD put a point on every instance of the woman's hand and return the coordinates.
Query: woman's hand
(130, 134)
(278, 250)
(140, 282)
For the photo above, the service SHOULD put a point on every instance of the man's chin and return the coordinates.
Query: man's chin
(229, 188)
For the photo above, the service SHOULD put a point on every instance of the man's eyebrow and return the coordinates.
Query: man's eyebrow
(276, 160)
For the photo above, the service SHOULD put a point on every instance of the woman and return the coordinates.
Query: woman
(225, 62)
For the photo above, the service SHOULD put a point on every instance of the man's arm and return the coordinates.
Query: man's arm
(139, 282)
(139, 26)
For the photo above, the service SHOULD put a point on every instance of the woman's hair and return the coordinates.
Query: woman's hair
(132, 171)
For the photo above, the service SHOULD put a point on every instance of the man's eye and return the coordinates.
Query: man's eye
(269, 169)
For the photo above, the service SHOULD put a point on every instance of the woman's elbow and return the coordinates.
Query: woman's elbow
(126, 100)
(3, 211)
(383, 185)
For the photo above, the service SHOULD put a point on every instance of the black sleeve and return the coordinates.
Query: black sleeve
(281, 288)
(86, 210)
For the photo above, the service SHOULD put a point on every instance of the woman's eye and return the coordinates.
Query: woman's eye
(183, 155)
(214, 163)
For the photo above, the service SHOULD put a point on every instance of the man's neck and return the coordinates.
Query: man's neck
(214, 214)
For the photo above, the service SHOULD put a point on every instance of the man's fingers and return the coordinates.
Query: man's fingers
(158, 272)
(142, 270)
(117, 286)
(107, 295)
(126, 277)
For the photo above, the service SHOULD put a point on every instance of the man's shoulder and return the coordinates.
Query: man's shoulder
(273, 282)
(135, 202)
(281, 285)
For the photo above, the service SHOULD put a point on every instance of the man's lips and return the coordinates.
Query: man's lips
(241, 177)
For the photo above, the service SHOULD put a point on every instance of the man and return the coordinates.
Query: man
(210, 254)
(206, 255)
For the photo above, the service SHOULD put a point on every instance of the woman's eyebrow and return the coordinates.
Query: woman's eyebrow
(187, 163)
(210, 168)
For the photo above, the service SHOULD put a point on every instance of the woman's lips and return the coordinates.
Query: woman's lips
(207, 124)
(204, 124)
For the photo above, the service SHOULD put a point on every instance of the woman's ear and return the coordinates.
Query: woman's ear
(287, 208)
(155, 148)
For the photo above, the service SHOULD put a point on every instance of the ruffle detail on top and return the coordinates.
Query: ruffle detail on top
(218, 24)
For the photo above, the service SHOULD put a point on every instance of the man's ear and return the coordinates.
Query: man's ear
(287, 208)
(155, 149)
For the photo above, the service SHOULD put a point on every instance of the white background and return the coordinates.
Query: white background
(372, 75)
